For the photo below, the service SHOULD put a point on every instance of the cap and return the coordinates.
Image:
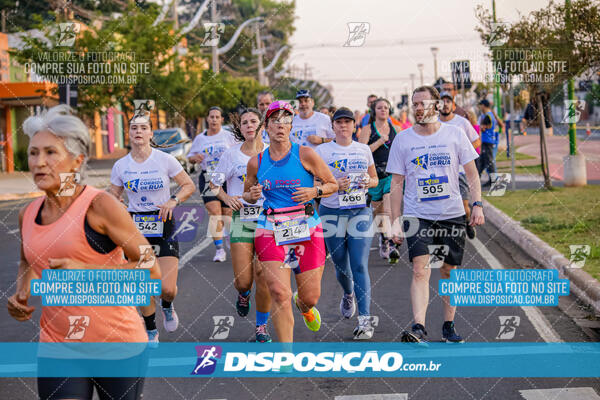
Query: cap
(279, 105)
(485, 103)
(446, 94)
(343, 112)
(303, 93)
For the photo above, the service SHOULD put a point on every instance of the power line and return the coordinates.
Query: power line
(400, 42)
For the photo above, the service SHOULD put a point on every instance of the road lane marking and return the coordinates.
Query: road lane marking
(580, 393)
(538, 320)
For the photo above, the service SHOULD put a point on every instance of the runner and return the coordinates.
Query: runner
(145, 174)
(310, 128)
(379, 135)
(448, 116)
(93, 231)
(489, 140)
(352, 165)
(206, 150)
(289, 231)
(232, 169)
(427, 159)
(263, 100)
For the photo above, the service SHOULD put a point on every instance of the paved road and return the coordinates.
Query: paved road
(205, 290)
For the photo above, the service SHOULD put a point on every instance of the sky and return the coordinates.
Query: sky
(401, 33)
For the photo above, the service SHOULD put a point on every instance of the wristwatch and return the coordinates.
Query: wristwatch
(319, 192)
(477, 203)
(174, 197)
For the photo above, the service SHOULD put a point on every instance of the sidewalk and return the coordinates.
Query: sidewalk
(558, 147)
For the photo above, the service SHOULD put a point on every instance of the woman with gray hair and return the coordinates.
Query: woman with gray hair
(75, 227)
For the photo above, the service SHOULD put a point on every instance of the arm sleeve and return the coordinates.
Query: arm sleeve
(369, 154)
(395, 164)
(329, 133)
(115, 176)
(196, 146)
(173, 166)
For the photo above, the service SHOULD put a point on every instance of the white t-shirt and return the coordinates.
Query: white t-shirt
(211, 147)
(430, 166)
(318, 124)
(232, 169)
(466, 127)
(342, 161)
(265, 136)
(147, 183)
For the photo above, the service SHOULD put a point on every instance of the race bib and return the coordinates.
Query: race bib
(291, 231)
(250, 213)
(148, 225)
(355, 196)
(433, 188)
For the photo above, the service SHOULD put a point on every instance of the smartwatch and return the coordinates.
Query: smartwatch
(319, 192)
(174, 197)
(477, 203)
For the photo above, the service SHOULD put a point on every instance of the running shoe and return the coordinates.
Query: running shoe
(312, 319)
(393, 254)
(384, 248)
(152, 338)
(262, 336)
(418, 335)
(170, 318)
(364, 330)
(242, 305)
(347, 305)
(220, 256)
(471, 233)
(449, 333)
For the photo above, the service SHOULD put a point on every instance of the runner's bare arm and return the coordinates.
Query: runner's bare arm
(17, 303)
(252, 189)
(107, 217)
(374, 180)
(396, 198)
(186, 186)
(363, 135)
(315, 165)
(472, 174)
(115, 190)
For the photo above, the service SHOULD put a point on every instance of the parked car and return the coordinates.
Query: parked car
(171, 136)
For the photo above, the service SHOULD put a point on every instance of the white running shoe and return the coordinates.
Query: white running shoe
(170, 318)
(384, 248)
(348, 305)
(220, 256)
(364, 330)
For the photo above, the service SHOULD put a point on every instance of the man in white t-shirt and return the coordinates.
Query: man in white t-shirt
(310, 128)
(427, 158)
(448, 116)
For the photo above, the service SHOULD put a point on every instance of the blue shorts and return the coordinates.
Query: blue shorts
(382, 188)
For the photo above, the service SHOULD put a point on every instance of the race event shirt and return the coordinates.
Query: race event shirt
(430, 166)
(147, 183)
(211, 147)
(318, 124)
(466, 127)
(350, 161)
(232, 169)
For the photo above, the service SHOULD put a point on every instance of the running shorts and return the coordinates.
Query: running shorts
(163, 246)
(301, 256)
(241, 231)
(423, 233)
(207, 194)
(383, 187)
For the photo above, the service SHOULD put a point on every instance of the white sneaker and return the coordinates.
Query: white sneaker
(364, 330)
(348, 306)
(384, 248)
(170, 318)
(220, 256)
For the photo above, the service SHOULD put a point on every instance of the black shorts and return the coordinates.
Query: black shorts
(207, 195)
(463, 185)
(163, 246)
(424, 236)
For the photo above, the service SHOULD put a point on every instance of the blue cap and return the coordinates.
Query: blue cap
(303, 93)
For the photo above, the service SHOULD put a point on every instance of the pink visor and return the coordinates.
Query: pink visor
(279, 105)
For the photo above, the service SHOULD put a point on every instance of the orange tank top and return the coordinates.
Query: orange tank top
(65, 238)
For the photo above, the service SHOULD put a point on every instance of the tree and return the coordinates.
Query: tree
(568, 46)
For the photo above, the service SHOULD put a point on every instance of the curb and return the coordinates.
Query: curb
(19, 196)
(582, 284)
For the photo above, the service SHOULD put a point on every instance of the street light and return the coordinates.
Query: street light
(434, 51)
(421, 66)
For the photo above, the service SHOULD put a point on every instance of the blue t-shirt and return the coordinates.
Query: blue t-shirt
(489, 135)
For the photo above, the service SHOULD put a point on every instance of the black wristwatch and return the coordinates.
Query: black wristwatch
(319, 192)
(477, 203)
(174, 197)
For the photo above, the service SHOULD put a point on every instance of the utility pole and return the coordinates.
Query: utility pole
(215, 47)
(175, 18)
(421, 66)
(571, 89)
(496, 84)
(262, 79)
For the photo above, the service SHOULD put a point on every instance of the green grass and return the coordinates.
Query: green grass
(501, 156)
(560, 217)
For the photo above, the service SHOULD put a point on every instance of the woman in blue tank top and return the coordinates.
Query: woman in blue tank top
(289, 233)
